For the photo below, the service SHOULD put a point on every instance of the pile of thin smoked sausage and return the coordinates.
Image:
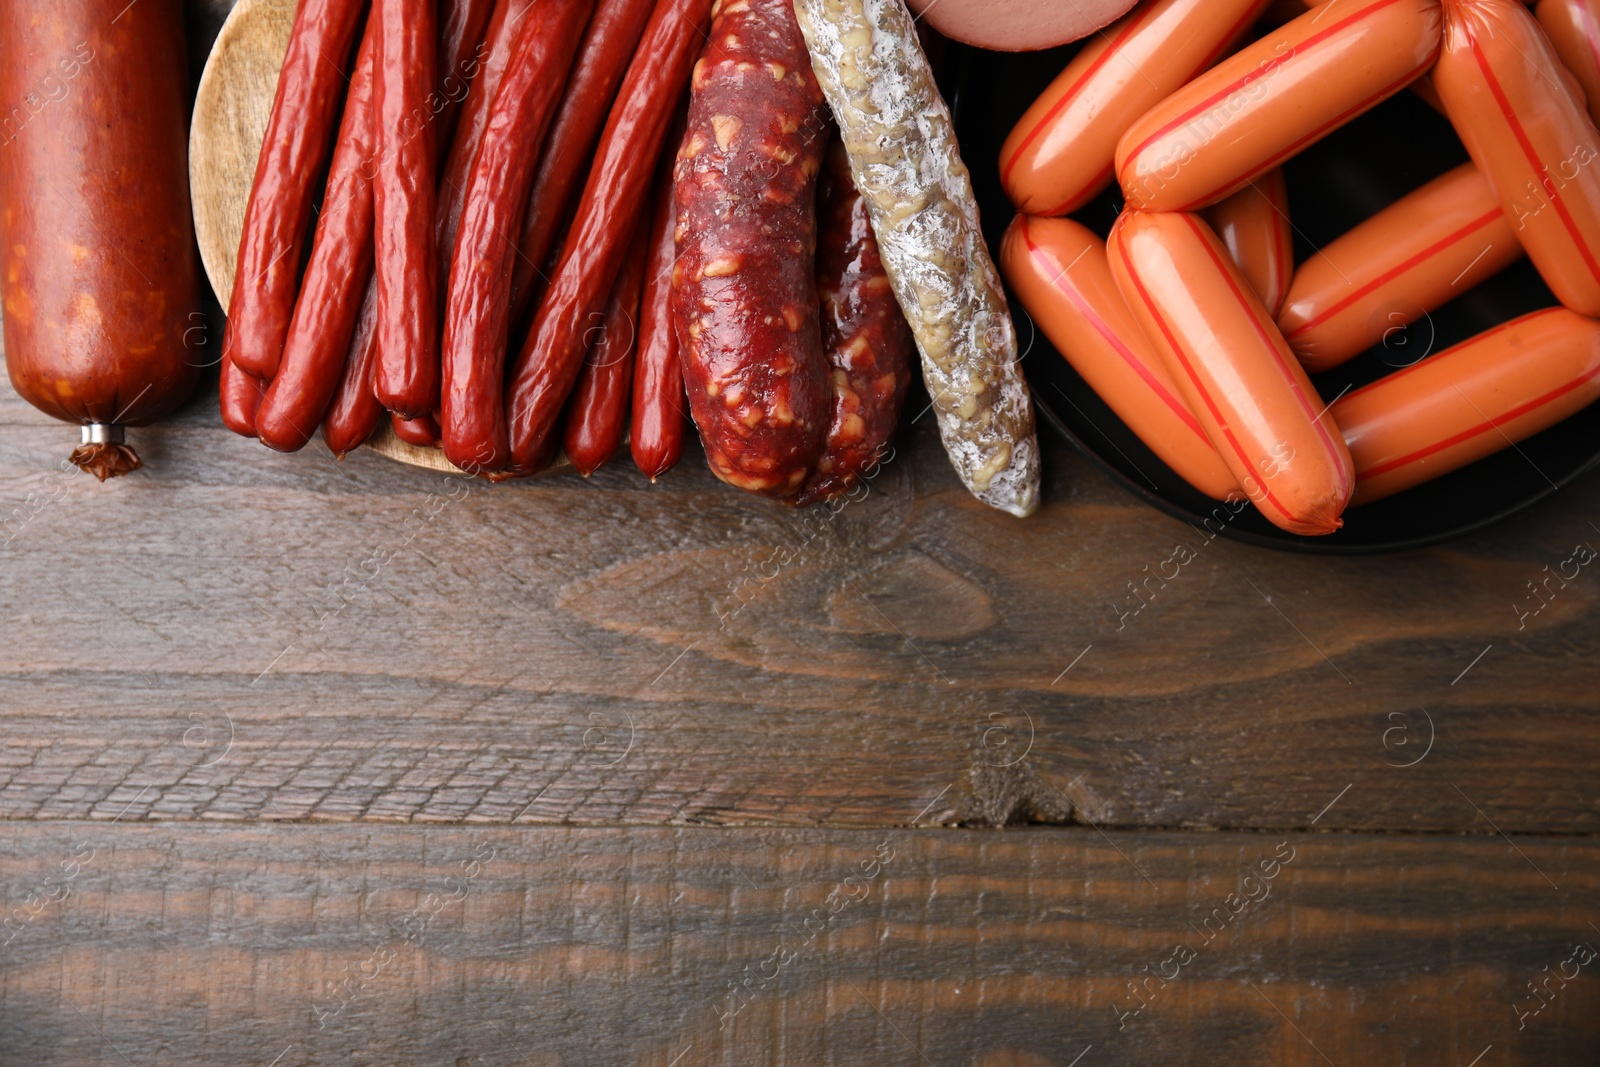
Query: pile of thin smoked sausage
(1191, 322)
(550, 223)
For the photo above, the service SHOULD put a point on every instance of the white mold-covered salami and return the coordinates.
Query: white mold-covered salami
(906, 165)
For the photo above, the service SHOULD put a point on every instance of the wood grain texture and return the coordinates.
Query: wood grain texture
(562, 946)
(237, 634)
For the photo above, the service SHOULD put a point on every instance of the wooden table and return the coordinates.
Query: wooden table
(307, 762)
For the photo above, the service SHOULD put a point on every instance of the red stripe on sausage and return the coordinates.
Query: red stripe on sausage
(1211, 405)
(1483, 427)
(1484, 336)
(1277, 356)
(1260, 72)
(1400, 268)
(1526, 145)
(1332, 124)
(1105, 331)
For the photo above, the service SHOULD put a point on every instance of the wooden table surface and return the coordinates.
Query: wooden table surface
(308, 762)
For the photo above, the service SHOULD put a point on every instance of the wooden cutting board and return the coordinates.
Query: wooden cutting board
(231, 111)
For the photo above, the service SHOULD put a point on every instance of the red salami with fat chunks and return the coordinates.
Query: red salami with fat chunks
(744, 288)
(864, 336)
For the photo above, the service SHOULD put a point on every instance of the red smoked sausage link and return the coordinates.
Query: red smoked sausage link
(1059, 271)
(1253, 225)
(341, 263)
(240, 398)
(476, 313)
(614, 196)
(1239, 377)
(1470, 401)
(608, 44)
(865, 338)
(597, 411)
(355, 411)
(462, 152)
(462, 48)
(100, 281)
(1499, 79)
(744, 289)
(299, 138)
(1420, 252)
(422, 432)
(659, 419)
(406, 377)
(1272, 98)
(1059, 155)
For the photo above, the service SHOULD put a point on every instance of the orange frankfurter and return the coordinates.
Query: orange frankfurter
(1415, 255)
(1502, 88)
(1253, 225)
(1469, 401)
(1272, 98)
(1058, 157)
(1232, 365)
(1573, 27)
(1060, 273)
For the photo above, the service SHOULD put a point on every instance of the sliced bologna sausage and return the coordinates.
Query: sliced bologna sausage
(1242, 382)
(1059, 270)
(1058, 157)
(1501, 85)
(1272, 98)
(907, 165)
(865, 338)
(1423, 250)
(744, 292)
(1470, 401)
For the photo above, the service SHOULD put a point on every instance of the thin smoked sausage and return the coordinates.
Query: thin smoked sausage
(660, 416)
(597, 410)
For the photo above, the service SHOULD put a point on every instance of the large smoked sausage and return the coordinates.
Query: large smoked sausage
(1423, 250)
(744, 293)
(1242, 382)
(1469, 401)
(101, 289)
(1060, 273)
(1501, 86)
(1272, 98)
(1059, 155)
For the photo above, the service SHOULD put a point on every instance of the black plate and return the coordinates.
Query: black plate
(1332, 186)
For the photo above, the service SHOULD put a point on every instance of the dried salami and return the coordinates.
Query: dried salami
(904, 157)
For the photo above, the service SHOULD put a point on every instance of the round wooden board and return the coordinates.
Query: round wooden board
(231, 111)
